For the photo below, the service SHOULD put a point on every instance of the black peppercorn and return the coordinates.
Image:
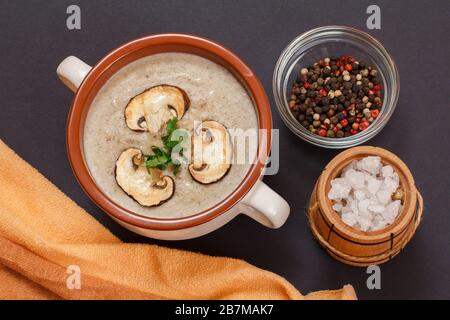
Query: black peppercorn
(347, 85)
(334, 94)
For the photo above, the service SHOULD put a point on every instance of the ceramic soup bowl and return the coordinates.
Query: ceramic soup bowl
(251, 197)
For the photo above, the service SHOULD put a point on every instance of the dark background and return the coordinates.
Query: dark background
(34, 107)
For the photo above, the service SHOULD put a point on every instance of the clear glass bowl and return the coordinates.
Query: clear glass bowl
(334, 41)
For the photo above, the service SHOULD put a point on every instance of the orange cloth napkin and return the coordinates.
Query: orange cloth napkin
(43, 232)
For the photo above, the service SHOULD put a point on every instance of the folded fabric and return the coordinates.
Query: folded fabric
(46, 240)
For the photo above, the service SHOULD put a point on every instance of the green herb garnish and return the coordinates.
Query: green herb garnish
(162, 157)
(169, 140)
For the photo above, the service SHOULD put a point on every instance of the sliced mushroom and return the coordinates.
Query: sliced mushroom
(211, 152)
(151, 109)
(148, 189)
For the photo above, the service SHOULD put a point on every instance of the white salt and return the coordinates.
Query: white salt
(340, 188)
(363, 194)
(349, 219)
(369, 164)
(384, 196)
(359, 194)
(390, 184)
(387, 171)
(337, 207)
(376, 208)
(363, 205)
(373, 185)
(355, 178)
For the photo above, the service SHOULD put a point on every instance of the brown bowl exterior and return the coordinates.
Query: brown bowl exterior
(140, 48)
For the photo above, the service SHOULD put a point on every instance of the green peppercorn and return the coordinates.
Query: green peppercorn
(330, 134)
(334, 119)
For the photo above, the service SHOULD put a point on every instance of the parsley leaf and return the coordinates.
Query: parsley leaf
(169, 140)
(159, 159)
(162, 158)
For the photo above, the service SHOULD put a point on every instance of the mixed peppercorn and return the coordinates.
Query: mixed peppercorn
(336, 98)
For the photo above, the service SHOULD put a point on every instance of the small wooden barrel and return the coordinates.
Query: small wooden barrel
(352, 246)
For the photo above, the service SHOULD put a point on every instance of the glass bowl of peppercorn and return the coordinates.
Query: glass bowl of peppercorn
(336, 86)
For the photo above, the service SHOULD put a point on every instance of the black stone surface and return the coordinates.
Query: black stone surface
(34, 106)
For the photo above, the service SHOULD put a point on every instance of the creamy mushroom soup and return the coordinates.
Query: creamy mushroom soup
(214, 94)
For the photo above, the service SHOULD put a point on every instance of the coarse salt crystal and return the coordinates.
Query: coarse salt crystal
(370, 164)
(387, 171)
(392, 211)
(363, 205)
(384, 196)
(340, 188)
(337, 207)
(349, 219)
(355, 178)
(376, 208)
(373, 185)
(360, 194)
(390, 184)
(363, 194)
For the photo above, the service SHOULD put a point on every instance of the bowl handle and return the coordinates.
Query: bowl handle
(266, 206)
(71, 71)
